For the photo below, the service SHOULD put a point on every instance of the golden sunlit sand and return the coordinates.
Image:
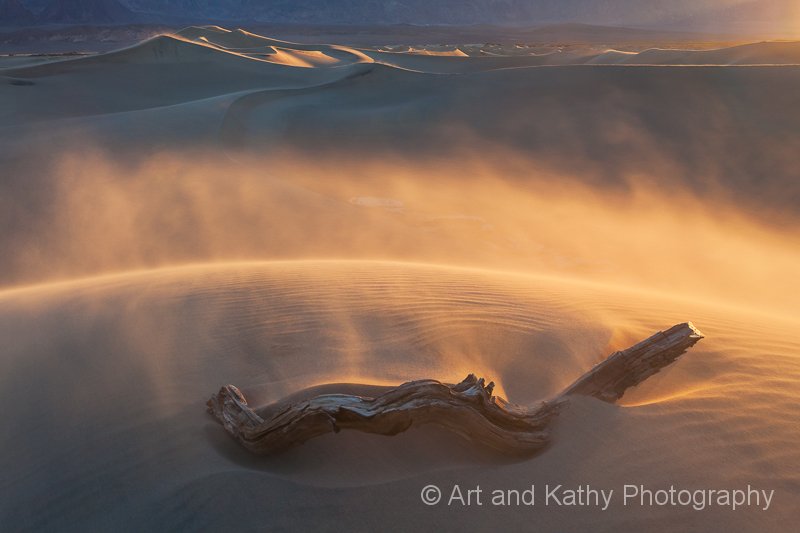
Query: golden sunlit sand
(218, 207)
(138, 352)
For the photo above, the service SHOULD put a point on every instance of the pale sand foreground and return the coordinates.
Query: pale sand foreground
(105, 379)
(629, 198)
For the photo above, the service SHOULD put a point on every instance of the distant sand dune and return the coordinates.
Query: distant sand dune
(765, 53)
(177, 67)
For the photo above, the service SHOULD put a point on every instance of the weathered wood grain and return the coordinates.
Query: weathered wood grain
(467, 408)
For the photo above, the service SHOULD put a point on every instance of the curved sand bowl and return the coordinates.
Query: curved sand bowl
(107, 377)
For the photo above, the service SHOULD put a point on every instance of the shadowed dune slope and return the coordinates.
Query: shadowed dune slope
(159, 72)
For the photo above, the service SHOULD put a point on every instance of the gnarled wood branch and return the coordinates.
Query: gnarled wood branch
(467, 408)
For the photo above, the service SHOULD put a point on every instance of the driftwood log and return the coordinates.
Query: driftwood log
(467, 408)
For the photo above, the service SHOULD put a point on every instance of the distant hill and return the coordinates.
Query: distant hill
(691, 15)
(13, 12)
(753, 16)
(86, 11)
(642, 13)
(618, 12)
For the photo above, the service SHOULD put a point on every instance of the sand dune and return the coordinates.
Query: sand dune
(605, 123)
(253, 45)
(162, 71)
(766, 53)
(494, 56)
(130, 359)
(218, 207)
(245, 61)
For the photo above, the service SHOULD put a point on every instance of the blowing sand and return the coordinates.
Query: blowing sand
(218, 207)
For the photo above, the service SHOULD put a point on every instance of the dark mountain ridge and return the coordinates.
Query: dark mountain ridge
(690, 15)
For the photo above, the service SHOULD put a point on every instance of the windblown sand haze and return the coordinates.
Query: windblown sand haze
(217, 207)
